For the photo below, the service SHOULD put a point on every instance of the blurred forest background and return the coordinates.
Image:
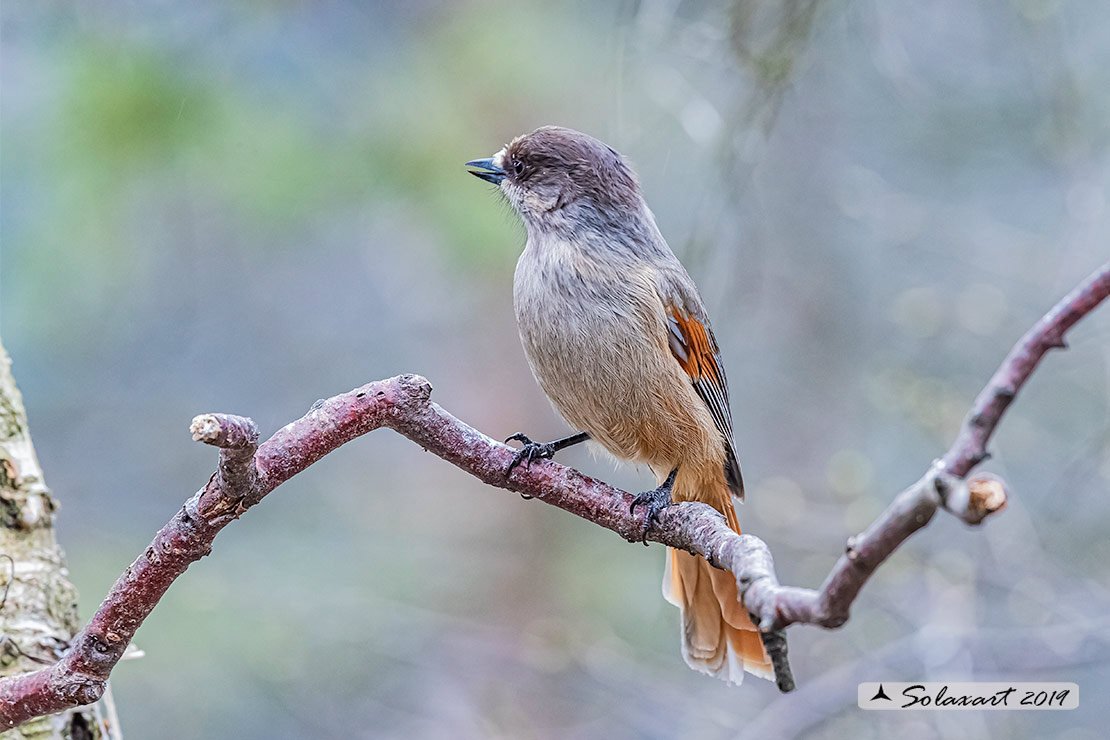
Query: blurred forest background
(244, 207)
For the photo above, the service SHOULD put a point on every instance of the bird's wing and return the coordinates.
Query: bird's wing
(694, 346)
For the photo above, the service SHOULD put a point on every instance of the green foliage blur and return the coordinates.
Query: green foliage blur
(244, 207)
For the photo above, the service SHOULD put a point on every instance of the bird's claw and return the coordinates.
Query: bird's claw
(529, 452)
(653, 501)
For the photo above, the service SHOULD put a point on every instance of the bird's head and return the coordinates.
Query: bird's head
(560, 179)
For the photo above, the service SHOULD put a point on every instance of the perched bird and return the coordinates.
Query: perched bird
(618, 338)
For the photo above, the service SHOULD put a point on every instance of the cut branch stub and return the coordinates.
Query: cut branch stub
(226, 431)
(235, 484)
(987, 494)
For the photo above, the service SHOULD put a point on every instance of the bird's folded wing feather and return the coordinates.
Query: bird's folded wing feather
(694, 346)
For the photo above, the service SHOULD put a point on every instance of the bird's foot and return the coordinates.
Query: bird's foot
(530, 451)
(653, 501)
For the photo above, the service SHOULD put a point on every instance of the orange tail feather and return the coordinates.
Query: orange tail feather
(718, 637)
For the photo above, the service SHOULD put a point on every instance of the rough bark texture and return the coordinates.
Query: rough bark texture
(247, 472)
(38, 605)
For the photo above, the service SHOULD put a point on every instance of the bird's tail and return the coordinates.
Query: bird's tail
(718, 637)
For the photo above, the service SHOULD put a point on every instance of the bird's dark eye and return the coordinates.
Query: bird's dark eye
(518, 167)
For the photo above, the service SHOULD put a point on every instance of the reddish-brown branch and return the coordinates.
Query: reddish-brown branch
(246, 474)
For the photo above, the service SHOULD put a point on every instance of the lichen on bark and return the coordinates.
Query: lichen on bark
(38, 604)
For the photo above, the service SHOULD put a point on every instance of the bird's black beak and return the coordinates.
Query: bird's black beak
(487, 170)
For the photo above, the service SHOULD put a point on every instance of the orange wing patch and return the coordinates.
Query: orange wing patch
(693, 345)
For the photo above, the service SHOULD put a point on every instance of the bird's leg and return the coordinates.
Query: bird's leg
(653, 501)
(541, 450)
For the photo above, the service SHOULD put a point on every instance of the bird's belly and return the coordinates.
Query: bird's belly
(605, 366)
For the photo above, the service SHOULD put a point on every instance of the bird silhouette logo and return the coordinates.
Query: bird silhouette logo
(880, 694)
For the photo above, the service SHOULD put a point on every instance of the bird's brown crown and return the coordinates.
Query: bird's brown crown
(572, 165)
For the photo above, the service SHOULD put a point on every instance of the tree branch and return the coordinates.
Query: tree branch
(245, 475)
